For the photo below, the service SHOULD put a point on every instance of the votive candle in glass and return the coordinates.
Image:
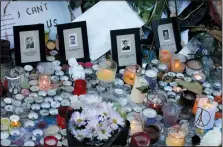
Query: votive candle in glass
(178, 63)
(80, 87)
(130, 73)
(15, 124)
(44, 82)
(154, 133)
(139, 139)
(135, 126)
(175, 137)
(165, 57)
(61, 116)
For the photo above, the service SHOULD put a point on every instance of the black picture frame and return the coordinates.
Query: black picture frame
(17, 44)
(115, 33)
(176, 31)
(73, 25)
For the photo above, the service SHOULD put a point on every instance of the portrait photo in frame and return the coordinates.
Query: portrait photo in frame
(166, 35)
(29, 44)
(126, 48)
(73, 41)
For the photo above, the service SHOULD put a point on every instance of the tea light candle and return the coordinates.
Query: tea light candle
(198, 76)
(50, 141)
(29, 143)
(44, 82)
(205, 114)
(176, 138)
(15, 121)
(177, 89)
(15, 133)
(177, 63)
(28, 125)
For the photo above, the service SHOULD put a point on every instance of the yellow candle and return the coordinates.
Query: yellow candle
(106, 75)
(177, 66)
(5, 122)
(15, 124)
(176, 139)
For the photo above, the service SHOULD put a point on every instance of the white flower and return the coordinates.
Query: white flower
(103, 133)
(81, 134)
(90, 113)
(115, 120)
(93, 99)
(92, 124)
(78, 119)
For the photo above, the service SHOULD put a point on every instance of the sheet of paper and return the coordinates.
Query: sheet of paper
(33, 12)
(103, 17)
(184, 36)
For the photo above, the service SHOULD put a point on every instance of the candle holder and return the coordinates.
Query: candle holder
(187, 102)
(50, 141)
(61, 116)
(151, 78)
(165, 57)
(205, 114)
(176, 136)
(136, 123)
(198, 76)
(130, 73)
(155, 100)
(153, 132)
(171, 113)
(15, 124)
(140, 139)
(44, 82)
(80, 87)
(149, 116)
(192, 66)
(178, 63)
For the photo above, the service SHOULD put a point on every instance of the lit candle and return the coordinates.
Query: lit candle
(106, 75)
(15, 124)
(177, 89)
(44, 82)
(176, 138)
(165, 57)
(177, 63)
(130, 74)
(136, 126)
(205, 114)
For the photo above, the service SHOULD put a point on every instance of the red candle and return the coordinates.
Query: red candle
(61, 116)
(156, 107)
(80, 87)
(139, 139)
(50, 141)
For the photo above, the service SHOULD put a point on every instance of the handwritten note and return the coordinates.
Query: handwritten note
(50, 13)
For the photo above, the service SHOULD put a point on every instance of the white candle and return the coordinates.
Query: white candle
(205, 114)
(136, 95)
(136, 126)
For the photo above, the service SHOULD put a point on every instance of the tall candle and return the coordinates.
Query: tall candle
(205, 114)
(136, 126)
(136, 95)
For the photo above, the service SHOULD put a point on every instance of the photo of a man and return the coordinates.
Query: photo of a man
(166, 35)
(125, 45)
(72, 40)
(29, 42)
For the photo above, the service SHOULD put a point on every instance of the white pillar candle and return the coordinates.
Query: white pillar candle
(136, 95)
(205, 114)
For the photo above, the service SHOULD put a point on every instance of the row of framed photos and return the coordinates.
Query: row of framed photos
(73, 42)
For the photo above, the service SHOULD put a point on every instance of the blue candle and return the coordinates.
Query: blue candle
(150, 116)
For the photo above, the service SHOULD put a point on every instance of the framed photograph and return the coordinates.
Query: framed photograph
(126, 48)
(73, 41)
(29, 44)
(167, 35)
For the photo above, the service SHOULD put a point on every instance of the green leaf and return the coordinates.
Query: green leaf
(193, 86)
(87, 5)
(143, 89)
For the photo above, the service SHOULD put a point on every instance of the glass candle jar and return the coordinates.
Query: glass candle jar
(80, 87)
(44, 82)
(165, 57)
(178, 63)
(130, 73)
(176, 137)
(61, 116)
(139, 139)
(136, 123)
(151, 78)
(154, 133)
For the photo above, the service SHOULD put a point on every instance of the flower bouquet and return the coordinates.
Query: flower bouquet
(96, 124)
